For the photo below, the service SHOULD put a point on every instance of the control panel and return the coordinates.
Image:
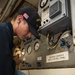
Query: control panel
(48, 52)
(55, 48)
(55, 15)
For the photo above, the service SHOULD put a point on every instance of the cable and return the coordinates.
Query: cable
(51, 44)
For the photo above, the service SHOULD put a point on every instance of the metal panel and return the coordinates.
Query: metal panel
(61, 20)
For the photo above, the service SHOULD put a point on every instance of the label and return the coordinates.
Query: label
(57, 57)
(39, 58)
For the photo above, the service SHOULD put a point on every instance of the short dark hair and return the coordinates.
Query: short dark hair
(15, 16)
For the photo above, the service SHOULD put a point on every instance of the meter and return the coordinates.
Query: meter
(29, 49)
(23, 52)
(36, 46)
(43, 3)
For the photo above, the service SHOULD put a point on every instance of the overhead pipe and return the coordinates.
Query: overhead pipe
(7, 9)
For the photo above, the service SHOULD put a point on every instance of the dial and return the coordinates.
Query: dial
(43, 3)
(23, 52)
(29, 49)
(36, 46)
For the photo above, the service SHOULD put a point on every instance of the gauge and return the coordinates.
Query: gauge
(29, 49)
(23, 52)
(43, 3)
(36, 46)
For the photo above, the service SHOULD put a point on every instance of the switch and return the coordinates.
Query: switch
(39, 64)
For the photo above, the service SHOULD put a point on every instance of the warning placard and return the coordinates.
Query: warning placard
(57, 57)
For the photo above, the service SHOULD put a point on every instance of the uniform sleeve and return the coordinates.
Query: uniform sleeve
(5, 55)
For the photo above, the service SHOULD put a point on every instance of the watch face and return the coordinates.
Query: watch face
(43, 3)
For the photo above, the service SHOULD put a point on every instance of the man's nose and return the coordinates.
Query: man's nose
(30, 35)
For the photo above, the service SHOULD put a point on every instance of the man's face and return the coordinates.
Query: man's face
(22, 30)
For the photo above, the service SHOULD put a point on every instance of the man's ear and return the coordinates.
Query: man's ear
(20, 18)
(19, 22)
